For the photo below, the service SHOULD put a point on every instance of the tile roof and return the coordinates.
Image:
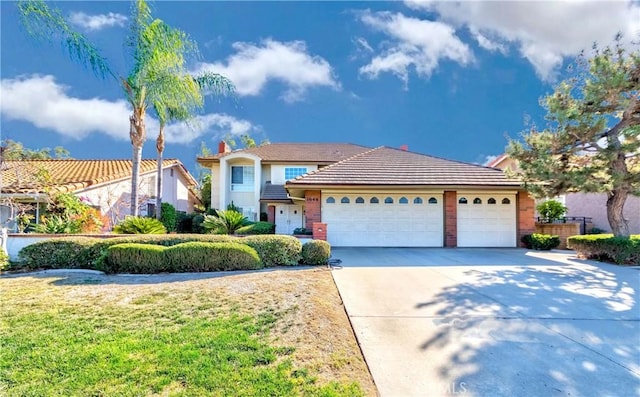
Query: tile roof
(26, 176)
(389, 166)
(298, 152)
(274, 193)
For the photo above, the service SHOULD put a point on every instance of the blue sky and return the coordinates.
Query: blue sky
(448, 79)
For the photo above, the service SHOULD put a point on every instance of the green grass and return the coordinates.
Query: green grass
(156, 343)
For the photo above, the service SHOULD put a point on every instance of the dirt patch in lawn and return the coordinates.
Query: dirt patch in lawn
(309, 311)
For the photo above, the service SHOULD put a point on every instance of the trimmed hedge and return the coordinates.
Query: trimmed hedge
(275, 249)
(185, 257)
(608, 248)
(257, 228)
(58, 253)
(316, 252)
(540, 242)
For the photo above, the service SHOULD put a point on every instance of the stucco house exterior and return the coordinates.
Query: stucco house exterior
(361, 196)
(105, 184)
(590, 205)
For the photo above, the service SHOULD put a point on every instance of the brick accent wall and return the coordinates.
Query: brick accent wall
(526, 212)
(312, 208)
(319, 231)
(562, 230)
(450, 219)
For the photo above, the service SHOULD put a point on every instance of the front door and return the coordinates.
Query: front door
(288, 218)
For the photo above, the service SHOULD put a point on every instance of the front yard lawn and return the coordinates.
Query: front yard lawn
(273, 333)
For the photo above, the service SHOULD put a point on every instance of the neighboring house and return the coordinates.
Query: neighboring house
(104, 184)
(373, 197)
(589, 205)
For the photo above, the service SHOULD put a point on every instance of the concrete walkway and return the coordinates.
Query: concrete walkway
(492, 322)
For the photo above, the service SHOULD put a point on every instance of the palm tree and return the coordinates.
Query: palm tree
(157, 76)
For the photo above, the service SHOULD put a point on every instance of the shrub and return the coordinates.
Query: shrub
(541, 242)
(59, 253)
(551, 210)
(135, 258)
(275, 249)
(140, 225)
(596, 230)
(224, 222)
(257, 228)
(606, 247)
(197, 224)
(57, 224)
(302, 231)
(4, 260)
(168, 217)
(184, 222)
(68, 214)
(316, 252)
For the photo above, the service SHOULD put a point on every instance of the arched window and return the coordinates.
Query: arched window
(477, 200)
(345, 200)
(462, 200)
(388, 200)
(359, 200)
(506, 201)
(374, 200)
(403, 200)
(417, 200)
(330, 200)
(434, 200)
(491, 200)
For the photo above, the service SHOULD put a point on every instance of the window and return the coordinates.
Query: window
(506, 201)
(491, 200)
(403, 200)
(292, 172)
(331, 200)
(477, 200)
(242, 178)
(345, 200)
(359, 200)
(417, 200)
(151, 209)
(433, 200)
(462, 200)
(374, 200)
(388, 200)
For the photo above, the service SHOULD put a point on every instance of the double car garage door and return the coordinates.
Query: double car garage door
(417, 220)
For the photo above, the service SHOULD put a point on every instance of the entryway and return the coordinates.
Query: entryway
(288, 218)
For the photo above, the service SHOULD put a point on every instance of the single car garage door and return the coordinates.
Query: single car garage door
(486, 220)
(383, 220)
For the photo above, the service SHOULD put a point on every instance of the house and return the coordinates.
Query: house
(105, 184)
(381, 196)
(589, 205)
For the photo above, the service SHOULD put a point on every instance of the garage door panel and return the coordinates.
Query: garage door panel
(486, 225)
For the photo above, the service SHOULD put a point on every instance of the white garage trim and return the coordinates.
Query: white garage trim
(486, 219)
(408, 219)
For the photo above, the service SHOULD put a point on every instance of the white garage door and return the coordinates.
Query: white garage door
(383, 220)
(486, 220)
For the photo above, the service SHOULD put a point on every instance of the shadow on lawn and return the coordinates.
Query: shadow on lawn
(576, 327)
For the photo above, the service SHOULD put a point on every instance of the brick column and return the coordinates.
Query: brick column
(312, 208)
(319, 231)
(526, 212)
(450, 219)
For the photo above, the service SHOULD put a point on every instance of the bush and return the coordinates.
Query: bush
(4, 260)
(224, 222)
(608, 248)
(596, 230)
(58, 253)
(302, 231)
(168, 217)
(184, 222)
(140, 225)
(316, 252)
(275, 249)
(257, 228)
(197, 224)
(541, 242)
(551, 210)
(185, 257)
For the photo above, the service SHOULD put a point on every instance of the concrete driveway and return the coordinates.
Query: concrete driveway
(492, 322)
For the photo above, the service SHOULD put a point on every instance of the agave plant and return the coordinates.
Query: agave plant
(224, 222)
(140, 225)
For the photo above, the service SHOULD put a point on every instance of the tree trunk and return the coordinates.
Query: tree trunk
(160, 150)
(615, 206)
(137, 133)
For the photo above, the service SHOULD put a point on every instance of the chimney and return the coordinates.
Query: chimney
(223, 147)
(404, 147)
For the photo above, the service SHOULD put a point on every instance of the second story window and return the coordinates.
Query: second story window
(242, 178)
(292, 172)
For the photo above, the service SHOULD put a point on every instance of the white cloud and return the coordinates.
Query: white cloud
(97, 22)
(44, 103)
(545, 33)
(489, 158)
(254, 65)
(413, 42)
